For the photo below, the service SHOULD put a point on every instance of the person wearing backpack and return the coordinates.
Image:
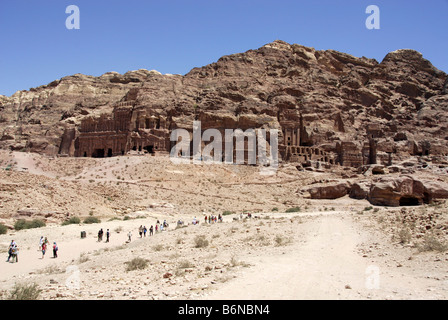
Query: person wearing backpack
(55, 250)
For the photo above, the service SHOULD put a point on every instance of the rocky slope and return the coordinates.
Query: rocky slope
(337, 102)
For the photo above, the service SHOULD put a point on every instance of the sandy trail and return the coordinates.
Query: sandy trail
(70, 244)
(319, 269)
(326, 265)
(323, 262)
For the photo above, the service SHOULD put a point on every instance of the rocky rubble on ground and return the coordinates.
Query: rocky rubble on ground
(383, 186)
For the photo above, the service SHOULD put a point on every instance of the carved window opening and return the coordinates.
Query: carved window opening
(150, 149)
(98, 153)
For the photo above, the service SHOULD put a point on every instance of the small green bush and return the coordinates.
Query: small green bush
(25, 224)
(3, 229)
(227, 212)
(72, 220)
(295, 209)
(90, 220)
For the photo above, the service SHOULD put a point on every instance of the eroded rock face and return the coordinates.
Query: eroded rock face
(391, 191)
(360, 190)
(402, 191)
(329, 107)
(333, 190)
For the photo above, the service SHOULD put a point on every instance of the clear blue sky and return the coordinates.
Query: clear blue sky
(174, 36)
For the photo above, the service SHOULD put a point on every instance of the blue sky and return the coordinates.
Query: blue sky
(174, 36)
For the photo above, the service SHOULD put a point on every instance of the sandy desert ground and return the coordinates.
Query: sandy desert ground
(330, 249)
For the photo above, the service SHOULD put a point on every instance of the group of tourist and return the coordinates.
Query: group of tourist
(213, 219)
(101, 233)
(208, 219)
(43, 245)
(142, 230)
(13, 249)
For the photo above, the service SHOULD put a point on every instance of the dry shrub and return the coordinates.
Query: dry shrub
(200, 241)
(282, 241)
(136, 264)
(25, 292)
(431, 243)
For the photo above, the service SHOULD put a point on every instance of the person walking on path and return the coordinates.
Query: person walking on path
(55, 250)
(140, 230)
(15, 253)
(44, 248)
(10, 249)
(129, 236)
(100, 235)
(151, 231)
(40, 243)
(107, 235)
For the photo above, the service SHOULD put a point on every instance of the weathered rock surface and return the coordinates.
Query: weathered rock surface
(400, 191)
(330, 190)
(360, 190)
(329, 106)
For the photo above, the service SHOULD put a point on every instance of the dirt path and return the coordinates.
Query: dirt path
(326, 260)
(71, 246)
(326, 266)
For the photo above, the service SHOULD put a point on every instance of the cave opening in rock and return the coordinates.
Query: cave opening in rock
(150, 149)
(98, 153)
(409, 201)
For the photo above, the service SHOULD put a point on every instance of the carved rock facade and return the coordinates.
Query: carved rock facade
(328, 106)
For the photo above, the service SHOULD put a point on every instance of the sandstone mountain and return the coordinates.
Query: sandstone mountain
(329, 107)
(363, 181)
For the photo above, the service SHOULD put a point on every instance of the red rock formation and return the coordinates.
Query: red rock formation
(402, 191)
(328, 106)
(332, 190)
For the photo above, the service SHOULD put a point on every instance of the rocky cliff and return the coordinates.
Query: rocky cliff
(328, 106)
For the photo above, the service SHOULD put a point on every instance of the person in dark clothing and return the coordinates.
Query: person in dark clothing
(100, 235)
(55, 250)
(10, 250)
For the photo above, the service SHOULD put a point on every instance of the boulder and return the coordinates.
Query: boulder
(395, 191)
(405, 191)
(434, 190)
(329, 191)
(360, 190)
